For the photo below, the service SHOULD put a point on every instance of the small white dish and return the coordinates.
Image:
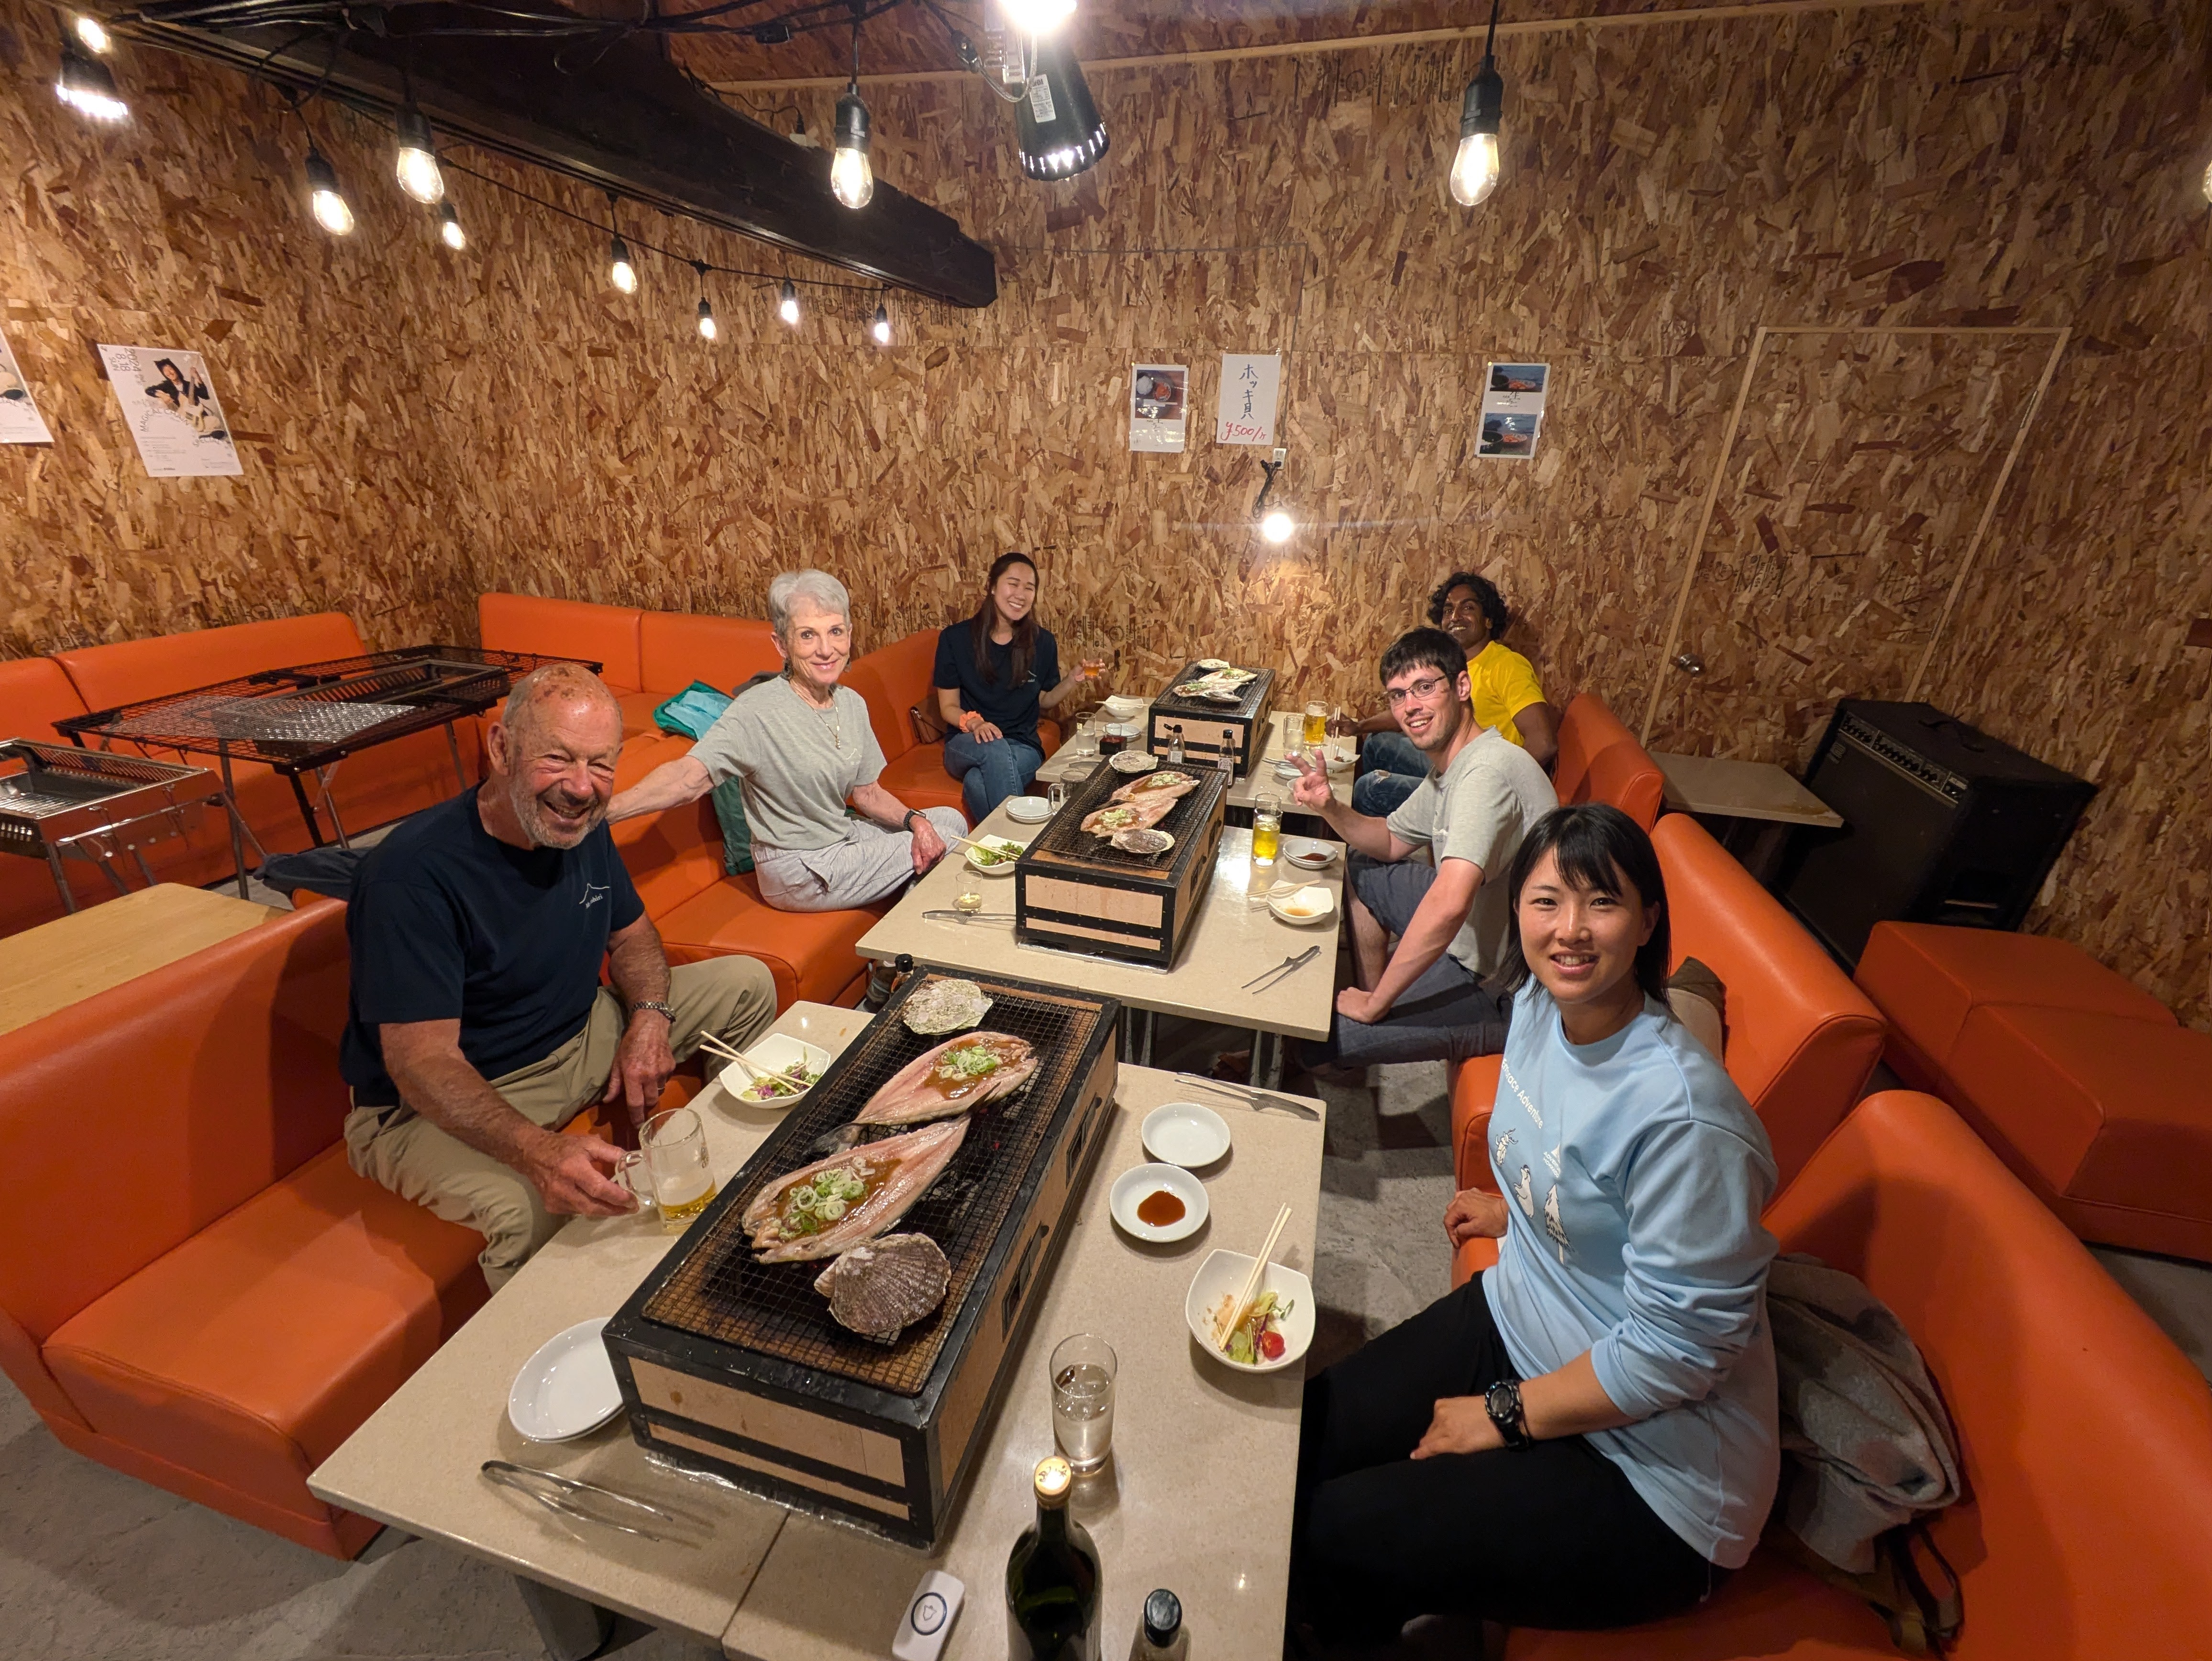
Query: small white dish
(775, 1054)
(568, 1388)
(1222, 1275)
(995, 868)
(1028, 810)
(1305, 907)
(1134, 761)
(1133, 1186)
(1185, 1134)
(1309, 854)
(1123, 707)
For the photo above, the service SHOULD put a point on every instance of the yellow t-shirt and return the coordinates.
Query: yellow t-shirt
(1501, 683)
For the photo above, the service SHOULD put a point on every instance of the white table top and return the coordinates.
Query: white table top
(415, 1463)
(1197, 1497)
(1740, 789)
(1236, 938)
(1282, 725)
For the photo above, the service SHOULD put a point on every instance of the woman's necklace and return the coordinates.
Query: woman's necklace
(830, 714)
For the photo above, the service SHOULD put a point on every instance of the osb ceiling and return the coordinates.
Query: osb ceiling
(916, 37)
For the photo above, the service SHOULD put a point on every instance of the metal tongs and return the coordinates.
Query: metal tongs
(1251, 1095)
(589, 1502)
(947, 915)
(1282, 971)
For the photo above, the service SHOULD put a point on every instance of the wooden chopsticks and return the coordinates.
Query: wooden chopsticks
(1223, 1331)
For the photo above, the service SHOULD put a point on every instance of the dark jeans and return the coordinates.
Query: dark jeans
(1391, 766)
(989, 773)
(1549, 1536)
(1445, 1015)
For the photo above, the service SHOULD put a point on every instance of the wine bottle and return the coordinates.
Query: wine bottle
(1052, 1579)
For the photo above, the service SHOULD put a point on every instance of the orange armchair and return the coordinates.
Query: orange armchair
(1599, 760)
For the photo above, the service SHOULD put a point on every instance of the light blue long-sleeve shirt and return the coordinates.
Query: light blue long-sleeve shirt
(1635, 1174)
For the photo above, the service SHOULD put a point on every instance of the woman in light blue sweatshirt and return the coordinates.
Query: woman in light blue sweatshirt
(1585, 1436)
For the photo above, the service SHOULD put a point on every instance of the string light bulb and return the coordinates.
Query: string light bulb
(91, 32)
(324, 198)
(1036, 17)
(851, 179)
(1475, 165)
(708, 328)
(1276, 527)
(449, 228)
(620, 271)
(415, 160)
(881, 328)
(88, 86)
(787, 304)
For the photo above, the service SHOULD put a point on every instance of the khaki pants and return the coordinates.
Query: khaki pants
(734, 998)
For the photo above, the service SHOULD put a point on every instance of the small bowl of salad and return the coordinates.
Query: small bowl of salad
(995, 856)
(1274, 1329)
(777, 1053)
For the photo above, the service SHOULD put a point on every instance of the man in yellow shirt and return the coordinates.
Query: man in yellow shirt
(1503, 691)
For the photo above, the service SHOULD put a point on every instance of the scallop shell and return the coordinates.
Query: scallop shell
(945, 1006)
(881, 1288)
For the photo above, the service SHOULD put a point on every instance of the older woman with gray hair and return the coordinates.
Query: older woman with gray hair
(800, 748)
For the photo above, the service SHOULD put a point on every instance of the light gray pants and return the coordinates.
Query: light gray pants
(734, 998)
(870, 864)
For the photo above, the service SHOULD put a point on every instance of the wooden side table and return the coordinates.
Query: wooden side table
(65, 961)
(1761, 802)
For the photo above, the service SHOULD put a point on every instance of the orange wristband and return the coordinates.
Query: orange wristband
(971, 719)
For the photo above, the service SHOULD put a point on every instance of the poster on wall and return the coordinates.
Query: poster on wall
(169, 404)
(19, 413)
(1159, 406)
(1512, 410)
(1250, 382)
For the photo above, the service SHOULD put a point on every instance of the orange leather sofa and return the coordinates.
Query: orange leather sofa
(1599, 760)
(2083, 1083)
(2086, 1437)
(1801, 1040)
(893, 679)
(195, 1287)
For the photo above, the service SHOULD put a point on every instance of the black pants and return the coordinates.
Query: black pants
(1548, 1536)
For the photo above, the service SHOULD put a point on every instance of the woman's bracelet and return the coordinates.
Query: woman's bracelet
(971, 719)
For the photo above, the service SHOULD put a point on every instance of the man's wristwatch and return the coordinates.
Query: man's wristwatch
(656, 1006)
(912, 814)
(1503, 1399)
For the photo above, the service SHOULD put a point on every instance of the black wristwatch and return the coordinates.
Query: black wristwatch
(1503, 1399)
(907, 824)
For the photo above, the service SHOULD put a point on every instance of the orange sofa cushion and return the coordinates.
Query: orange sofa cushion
(2107, 1118)
(256, 1346)
(107, 676)
(812, 954)
(893, 678)
(2083, 1536)
(918, 778)
(1599, 760)
(606, 634)
(1927, 976)
(676, 648)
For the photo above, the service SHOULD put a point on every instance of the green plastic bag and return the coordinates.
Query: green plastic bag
(692, 711)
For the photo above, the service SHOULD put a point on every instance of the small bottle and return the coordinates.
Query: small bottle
(1052, 1578)
(1174, 746)
(1160, 1636)
(1228, 762)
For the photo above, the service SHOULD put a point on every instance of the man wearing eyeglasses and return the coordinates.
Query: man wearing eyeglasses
(1480, 794)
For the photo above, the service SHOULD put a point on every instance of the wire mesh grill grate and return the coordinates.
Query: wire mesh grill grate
(1066, 841)
(719, 1292)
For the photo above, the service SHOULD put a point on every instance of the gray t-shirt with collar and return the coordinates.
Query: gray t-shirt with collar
(1479, 808)
(795, 765)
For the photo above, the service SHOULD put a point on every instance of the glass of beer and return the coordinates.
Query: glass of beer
(1317, 726)
(1266, 828)
(670, 1169)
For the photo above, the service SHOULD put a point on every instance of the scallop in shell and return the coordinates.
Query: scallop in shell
(945, 1006)
(882, 1286)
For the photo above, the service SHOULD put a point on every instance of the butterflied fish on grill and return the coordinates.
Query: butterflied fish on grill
(942, 1004)
(1164, 786)
(882, 1286)
(834, 1204)
(959, 1074)
(1128, 815)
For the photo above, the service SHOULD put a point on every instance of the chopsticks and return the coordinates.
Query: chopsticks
(563, 1495)
(1223, 1331)
(708, 1041)
(1252, 1096)
(1282, 970)
(943, 914)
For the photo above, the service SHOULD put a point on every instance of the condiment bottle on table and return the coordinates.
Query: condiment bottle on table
(1160, 1635)
(1053, 1578)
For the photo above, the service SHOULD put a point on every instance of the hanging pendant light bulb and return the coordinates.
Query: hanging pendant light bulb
(707, 330)
(1475, 167)
(881, 328)
(787, 304)
(91, 32)
(417, 161)
(88, 86)
(851, 179)
(449, 228)
(620, 271)
(324, 198)
(1275, 525)
(1056, 125)
(1038, 17)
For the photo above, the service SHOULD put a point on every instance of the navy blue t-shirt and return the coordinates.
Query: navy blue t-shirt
(448, 922)
(1012, 709)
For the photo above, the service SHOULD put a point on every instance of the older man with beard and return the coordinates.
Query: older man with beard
(478, 1026)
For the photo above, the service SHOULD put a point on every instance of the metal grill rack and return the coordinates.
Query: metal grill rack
(1198, 711)
(1065, 838)
(720, 1292)
(57, 801)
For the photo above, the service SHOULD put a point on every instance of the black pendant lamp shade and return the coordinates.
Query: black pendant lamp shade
(1058, 126)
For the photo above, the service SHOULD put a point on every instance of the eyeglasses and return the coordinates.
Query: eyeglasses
(1424, 690)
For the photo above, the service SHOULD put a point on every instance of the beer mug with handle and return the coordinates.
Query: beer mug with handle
(669, 1169)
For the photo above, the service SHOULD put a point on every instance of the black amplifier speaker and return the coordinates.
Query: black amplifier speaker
(1941, 824)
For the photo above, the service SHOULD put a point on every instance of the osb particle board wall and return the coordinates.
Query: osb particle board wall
(425, 426)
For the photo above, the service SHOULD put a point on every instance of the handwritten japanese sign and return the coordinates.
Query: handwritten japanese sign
(1250, 382)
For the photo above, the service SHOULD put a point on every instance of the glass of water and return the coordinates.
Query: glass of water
(1055, 796)
(1083, 1401)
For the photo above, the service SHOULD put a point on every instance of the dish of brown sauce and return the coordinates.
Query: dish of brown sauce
(1159, 1209)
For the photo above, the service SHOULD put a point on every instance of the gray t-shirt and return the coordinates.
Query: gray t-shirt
(794, 763)
(1489, 798)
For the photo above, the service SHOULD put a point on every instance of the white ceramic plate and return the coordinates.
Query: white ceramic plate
(1028, 810)
(1134, 761)
(1133, 1185)
(775, 1054)
(1185, 1134)
(1122, 707)
(1001, 867)
(567, 1388)
(1222, 1275)
(1325, 903)
(1308, 855)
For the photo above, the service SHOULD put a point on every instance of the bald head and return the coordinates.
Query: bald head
(551, 757)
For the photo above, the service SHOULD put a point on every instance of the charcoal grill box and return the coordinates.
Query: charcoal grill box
(1203, 722)
(1076, 892)
(735, 1367)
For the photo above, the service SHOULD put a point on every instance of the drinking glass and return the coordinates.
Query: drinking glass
(669, 1168)
(1317, 728)
(1083, 1401)
(1056, 794)
(1266, 828)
